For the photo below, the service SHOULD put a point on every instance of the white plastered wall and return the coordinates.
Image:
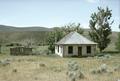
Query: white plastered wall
(60, 53)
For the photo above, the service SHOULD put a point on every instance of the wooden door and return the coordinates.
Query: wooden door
(79, 51)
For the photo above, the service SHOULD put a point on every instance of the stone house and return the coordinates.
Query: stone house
(74, 44)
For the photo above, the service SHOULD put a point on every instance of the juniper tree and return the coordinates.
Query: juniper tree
(100, 25)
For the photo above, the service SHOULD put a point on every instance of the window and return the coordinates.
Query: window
(58, 49)
(70, 49)
(88, 49)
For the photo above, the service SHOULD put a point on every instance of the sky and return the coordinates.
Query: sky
(54, 13)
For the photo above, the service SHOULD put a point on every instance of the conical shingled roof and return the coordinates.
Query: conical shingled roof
(75, 38)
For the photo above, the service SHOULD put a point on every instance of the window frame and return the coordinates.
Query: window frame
(89, 51)
(70, 49)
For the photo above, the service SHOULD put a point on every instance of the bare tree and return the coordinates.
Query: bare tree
(28, 42)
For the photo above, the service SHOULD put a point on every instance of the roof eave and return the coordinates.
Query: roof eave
(75, 44)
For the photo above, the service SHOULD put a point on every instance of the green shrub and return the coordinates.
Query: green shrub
(102, 69)
(103, 56)
(15, 70)
(42, 65)
(5, 62)
(74, 71)
(93, 71)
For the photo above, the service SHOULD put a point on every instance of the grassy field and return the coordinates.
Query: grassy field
(54, 68)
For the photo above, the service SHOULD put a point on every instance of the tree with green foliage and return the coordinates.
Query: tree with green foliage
(72, 27)
(28, 42)
(59, 33)
(100, 25)
(118, 41)
(3, 41)
(54, 37)
(51, 41)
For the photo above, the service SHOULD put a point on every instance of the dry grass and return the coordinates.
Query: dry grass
(28, 68)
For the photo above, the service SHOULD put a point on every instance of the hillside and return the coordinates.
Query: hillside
(32, 28)
(10, 34)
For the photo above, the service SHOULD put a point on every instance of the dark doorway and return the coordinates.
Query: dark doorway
(79, 51)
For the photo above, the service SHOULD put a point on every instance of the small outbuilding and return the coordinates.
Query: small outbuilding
(74, 44)
(20, 51)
